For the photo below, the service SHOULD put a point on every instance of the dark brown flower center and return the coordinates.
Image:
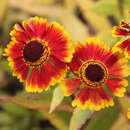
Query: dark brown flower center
(94, 73)
(33, 51)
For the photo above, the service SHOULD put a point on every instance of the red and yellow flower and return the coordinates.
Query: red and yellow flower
(123, 30)
(37, 52)
(95, 66)
(128, 113)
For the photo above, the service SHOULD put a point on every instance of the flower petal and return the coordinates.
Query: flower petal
(79, 55)
(19, 34)
(32, 81)
(40, 26)
(124, 24)
(48, 75)
(128, 52)
(58, 42)
(14, 49)
(69, 86)
(93, 99)
(29, 27)
(21, 72)
(121, 46)
(95, 48)
(15, 63)
(20, 69)
(116, 86)
(91, 49)
(53, 34)
(117, 65)
(117, 31)
(125, 45)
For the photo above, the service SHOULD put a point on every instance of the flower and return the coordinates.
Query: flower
(123, 30)
(95, 69)
(128, 113)
(37, 52)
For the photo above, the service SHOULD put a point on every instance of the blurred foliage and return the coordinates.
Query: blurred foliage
(81, 18)
(58, 97)
(79, 118)
(109, 115)
(3, 8)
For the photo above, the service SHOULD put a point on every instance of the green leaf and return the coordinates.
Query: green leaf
(65, 115)
(58, 97)
(71, 75)
(29, 73)
(55, 120)
(108, 90)
(37, 101)
(82, 85)
(79, 117)
(104, 119)
(81, 60)
(15, 110)
(31, 100)
(76, 72)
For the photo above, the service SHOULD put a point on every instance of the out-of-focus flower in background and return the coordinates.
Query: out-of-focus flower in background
(122, 31)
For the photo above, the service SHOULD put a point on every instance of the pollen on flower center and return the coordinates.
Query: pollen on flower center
(33, 51)
(93, 73)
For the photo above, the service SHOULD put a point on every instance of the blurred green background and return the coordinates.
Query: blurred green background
(81, 18)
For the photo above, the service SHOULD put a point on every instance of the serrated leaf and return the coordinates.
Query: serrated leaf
(57, 98)
(78, 118)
